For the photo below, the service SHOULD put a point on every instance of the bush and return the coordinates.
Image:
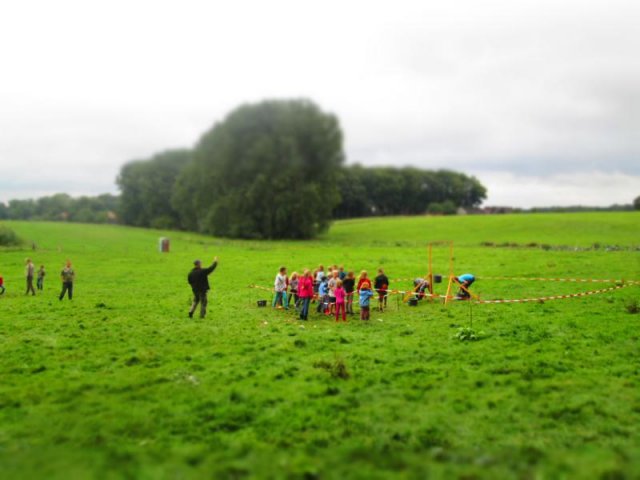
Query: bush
(632, 307)
(468, 334)
(445, 208)
(8, 238)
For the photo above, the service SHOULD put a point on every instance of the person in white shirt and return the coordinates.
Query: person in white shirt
(280, 286)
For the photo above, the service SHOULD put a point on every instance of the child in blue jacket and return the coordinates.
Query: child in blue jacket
(323, 295)
(365, 294)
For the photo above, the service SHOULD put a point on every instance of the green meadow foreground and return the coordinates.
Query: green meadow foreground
(121, 383)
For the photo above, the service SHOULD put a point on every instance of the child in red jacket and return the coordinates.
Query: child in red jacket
(362, 279)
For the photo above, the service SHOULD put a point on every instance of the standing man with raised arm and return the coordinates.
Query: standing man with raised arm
(198, 278)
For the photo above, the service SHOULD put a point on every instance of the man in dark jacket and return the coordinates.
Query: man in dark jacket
(199, 280)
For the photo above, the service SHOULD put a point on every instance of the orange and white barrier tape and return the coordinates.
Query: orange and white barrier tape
(543, 279)
(575, 280)
(514, 300)
(270, 290)
(389, 292)
(555, 297)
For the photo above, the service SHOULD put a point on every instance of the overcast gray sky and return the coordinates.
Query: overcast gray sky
(538, 99)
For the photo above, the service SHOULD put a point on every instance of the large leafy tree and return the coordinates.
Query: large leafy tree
(268, 170)
(147, 186)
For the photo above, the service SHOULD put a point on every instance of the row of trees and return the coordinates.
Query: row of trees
(147, 187)
(63, 207)
(405, 191)
(275, 170)
(269, 170)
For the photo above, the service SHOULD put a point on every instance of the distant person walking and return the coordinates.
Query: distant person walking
(198, 278)
(68, 276)
(41, 274)
(29, 271)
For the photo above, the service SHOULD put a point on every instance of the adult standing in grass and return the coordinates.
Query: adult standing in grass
(68, 276)
(305, 292)
(198, 278)
(29, 271)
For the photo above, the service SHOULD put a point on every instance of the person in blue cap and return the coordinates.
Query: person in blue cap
(465, 281)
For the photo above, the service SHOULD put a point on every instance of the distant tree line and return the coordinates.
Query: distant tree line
(147, 187)
(581, 208)
(63, 207)
(405, 191)
(275, 170)
(170, 190)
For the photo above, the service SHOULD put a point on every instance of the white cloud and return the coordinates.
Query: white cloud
(592, 188)
(530, 88)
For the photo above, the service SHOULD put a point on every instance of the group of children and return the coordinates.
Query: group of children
(30, 273)
(333, 290)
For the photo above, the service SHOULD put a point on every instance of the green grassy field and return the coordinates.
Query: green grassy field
(120, 383)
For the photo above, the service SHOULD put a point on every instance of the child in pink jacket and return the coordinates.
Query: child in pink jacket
(340, 295)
